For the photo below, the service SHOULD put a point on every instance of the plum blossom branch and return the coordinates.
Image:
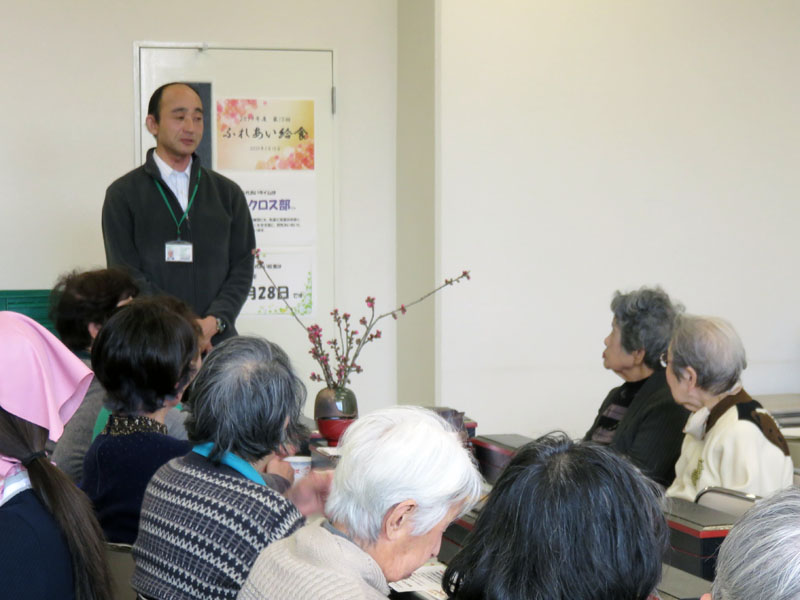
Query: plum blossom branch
(349, 343)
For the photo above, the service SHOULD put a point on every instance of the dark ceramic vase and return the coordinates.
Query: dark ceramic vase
(336, 403)
(334, 410)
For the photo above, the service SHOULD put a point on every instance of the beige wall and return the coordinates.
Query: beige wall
(67, 131)
(593, 146)
(579, 147)
(416, 129)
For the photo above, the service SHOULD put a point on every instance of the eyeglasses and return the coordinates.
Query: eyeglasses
(663, 360)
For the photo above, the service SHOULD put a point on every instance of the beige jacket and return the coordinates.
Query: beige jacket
(314, 563)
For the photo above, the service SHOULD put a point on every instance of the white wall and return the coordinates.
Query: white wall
(67, 131)
(592, 146)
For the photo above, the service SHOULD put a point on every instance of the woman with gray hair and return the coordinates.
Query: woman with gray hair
(731, 441)
(207, 515)
(760, 557)
(403, 476)
(640, 419)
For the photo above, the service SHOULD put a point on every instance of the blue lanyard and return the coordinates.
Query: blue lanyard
(234, 462)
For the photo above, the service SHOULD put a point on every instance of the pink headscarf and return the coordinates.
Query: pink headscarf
(41, 381)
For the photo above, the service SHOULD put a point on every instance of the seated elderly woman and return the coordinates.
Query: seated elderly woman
(403, 476)
(731, 441)
(760, 557)
(81, 303)
(206, 516)
(640, 419)
(52, 546)
(145, 356)
(564, 520)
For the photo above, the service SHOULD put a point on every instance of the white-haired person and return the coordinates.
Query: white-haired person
(760, 557)
(730, 441)
(402, 478)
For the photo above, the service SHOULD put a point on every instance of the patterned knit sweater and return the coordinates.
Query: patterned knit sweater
(202, 527)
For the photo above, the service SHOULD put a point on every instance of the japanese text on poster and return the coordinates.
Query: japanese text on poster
(291, 271)
(283, 206)
(259, 134)
(267, 147)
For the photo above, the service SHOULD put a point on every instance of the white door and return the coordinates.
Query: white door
(274, 75)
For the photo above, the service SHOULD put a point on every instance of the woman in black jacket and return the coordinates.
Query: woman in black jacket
(640, 419)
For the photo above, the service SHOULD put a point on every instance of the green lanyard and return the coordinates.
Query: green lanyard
(188, 206)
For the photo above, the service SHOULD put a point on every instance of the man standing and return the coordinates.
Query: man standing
(177, 227)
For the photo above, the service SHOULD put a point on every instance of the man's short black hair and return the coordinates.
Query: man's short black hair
(154, 106)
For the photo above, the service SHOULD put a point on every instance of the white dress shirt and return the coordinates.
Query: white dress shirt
(178, 181)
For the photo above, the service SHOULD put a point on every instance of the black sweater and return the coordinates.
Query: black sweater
(34, 557)
(137, 225)
(651, 432)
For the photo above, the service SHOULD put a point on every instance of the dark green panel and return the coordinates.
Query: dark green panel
(33, 303)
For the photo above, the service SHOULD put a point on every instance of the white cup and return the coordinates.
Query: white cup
(300, 464)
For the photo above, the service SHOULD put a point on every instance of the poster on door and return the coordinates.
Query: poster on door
(267, 147)
(283, 206)
(290, 283)
(256, 134)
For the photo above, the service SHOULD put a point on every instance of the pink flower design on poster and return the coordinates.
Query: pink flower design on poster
(259, 134)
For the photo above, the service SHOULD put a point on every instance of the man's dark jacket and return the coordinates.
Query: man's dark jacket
(137, 225)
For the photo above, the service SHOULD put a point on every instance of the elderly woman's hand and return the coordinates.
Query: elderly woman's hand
(277, 466)
(310, 493)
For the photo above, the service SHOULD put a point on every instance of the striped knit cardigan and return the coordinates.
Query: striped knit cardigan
(201, 529)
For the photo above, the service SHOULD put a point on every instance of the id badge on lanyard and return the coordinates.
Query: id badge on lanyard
(179, 250)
